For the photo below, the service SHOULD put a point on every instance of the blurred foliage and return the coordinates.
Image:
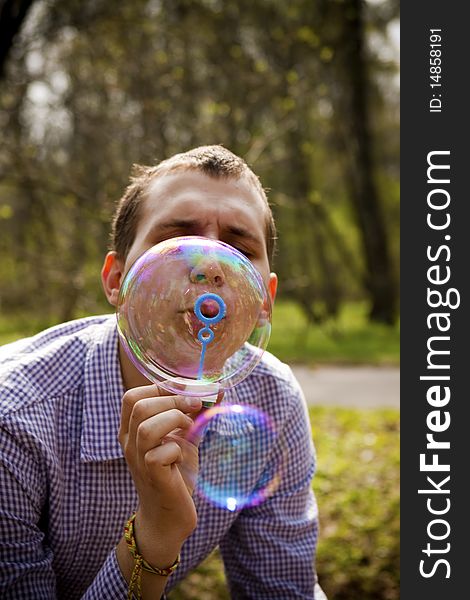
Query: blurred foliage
(357, 489)
(305, 91)
(348, 339)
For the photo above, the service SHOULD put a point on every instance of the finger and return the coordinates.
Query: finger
(184, 438)
(135, 395)
(149, 407)
(163, 456)
(136, 408)
(157, 461)
(189, 451)
(151, 432)
(189, 465)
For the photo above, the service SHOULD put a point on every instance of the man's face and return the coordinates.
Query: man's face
(191, 203)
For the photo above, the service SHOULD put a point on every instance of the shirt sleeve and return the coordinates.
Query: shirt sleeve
(109, 584)
(26, 560)
(269, 552)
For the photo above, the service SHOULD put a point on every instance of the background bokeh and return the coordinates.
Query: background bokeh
(307, 92)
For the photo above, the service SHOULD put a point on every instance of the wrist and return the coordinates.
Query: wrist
(146, 578)
(166, 524)
(129, 536)
(158, 546)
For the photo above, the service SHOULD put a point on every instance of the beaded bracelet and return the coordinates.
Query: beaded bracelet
(141, 563)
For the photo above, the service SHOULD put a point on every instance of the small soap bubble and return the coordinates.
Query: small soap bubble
(194, 315)
(245, 456)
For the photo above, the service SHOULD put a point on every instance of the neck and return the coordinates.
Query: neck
(131, 376)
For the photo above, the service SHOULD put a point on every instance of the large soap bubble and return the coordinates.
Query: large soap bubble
(247, 456)
(194, 315)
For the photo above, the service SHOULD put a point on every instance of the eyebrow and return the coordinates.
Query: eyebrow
(176, 223)
(194, 224)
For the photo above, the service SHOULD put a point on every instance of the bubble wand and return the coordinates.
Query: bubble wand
(206, 335)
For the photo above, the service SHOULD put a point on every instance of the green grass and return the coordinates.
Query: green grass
(357, 489)
(207, 582)
(349, 340)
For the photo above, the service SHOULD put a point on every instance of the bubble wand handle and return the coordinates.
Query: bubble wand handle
(206, 335)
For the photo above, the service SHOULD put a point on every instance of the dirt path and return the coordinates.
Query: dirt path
(353, 387)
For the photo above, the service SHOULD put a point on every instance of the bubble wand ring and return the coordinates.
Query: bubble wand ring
(210, 320)
(206, 335)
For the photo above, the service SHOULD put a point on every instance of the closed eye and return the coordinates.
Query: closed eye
(245, 252)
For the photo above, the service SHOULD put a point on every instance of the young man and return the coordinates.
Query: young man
(81, 429)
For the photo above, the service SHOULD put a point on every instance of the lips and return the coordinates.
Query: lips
(210, 308)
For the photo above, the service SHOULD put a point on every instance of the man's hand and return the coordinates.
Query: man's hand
(163, 466)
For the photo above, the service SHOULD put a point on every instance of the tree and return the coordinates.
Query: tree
(345, 31)
(91, 91)
(12, 15)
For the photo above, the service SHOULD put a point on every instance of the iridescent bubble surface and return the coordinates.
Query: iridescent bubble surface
(194, 313)
(246, 456)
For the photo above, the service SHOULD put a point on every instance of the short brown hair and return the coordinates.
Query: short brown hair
(214, 161)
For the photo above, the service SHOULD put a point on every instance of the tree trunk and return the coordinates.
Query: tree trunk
(12, 15)
(379, 279)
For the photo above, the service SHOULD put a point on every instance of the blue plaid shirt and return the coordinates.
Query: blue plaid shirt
(66, 492)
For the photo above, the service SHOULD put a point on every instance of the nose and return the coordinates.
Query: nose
(208, 271)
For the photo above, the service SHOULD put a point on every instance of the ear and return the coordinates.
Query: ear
(272, 286)
(111, 275)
